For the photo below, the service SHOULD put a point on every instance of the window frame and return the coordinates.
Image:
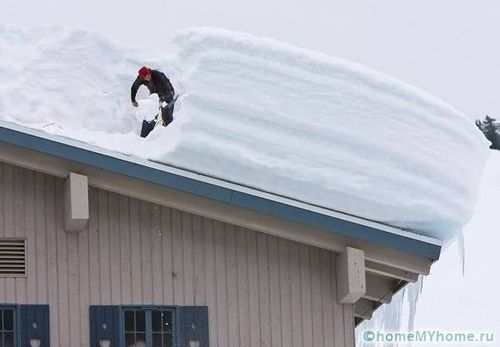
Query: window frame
(15, 321)
(148, 321)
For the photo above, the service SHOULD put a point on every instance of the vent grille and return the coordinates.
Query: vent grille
(12, 258)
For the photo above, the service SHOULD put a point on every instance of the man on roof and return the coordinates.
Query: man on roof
(158, 83)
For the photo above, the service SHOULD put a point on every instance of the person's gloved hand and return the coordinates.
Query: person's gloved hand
(135, 103)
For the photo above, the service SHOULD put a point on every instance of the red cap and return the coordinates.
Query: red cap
(143, 72)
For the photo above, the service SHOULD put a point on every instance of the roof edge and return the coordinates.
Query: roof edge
(220, 190)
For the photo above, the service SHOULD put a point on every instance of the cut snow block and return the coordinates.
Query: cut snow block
(76, 214)
(351, 280)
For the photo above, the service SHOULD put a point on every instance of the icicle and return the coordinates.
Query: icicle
(391, 317)
(461, 249)
(385, 319)
(414, 290)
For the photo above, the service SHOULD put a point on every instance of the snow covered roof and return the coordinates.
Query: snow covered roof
(220, 190)
(254, 111)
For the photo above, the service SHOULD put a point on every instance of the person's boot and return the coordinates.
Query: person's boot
(147, 127)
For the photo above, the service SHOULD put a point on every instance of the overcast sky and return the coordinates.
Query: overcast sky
(447, 47)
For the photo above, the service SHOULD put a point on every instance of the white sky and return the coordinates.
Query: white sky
(447, 47)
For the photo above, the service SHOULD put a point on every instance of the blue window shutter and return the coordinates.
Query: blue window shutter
(193, 325)
(34, 324)
(104, 325)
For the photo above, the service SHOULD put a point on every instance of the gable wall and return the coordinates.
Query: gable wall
(260, 289)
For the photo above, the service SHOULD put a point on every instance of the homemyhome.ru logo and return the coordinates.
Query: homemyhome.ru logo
(429, 336)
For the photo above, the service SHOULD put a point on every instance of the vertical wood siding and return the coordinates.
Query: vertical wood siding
(261, 290)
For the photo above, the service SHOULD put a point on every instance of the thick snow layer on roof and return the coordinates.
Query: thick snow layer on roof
(260, 113)
(456, 289)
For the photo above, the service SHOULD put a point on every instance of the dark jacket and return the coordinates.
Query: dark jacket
(159, 84)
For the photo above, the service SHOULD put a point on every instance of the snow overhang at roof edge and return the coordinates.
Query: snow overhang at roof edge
(220, 190)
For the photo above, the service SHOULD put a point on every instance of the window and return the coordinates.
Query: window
(7, 327)
(21, 323)
(149, 327)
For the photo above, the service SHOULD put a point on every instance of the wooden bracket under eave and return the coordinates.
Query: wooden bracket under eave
(351, 277)
(76, 210)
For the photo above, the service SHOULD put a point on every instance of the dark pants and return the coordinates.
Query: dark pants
(167, 114)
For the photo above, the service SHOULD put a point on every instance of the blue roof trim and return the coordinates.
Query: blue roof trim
(337, 225)
(219, 193)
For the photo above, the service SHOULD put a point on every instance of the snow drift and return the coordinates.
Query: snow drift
(260, 113)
